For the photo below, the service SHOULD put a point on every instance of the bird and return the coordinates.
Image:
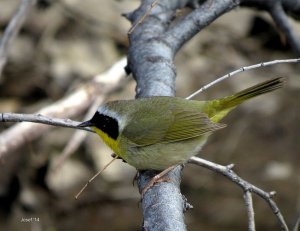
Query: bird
(162, 131)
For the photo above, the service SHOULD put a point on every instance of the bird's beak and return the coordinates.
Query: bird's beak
(86, 124)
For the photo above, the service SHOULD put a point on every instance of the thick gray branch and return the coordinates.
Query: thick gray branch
(150, 59)
(163, 205)
(193, 23)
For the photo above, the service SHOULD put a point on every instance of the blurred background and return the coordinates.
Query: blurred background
(65, 43)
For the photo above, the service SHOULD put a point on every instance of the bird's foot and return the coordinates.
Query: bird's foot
(158, 179)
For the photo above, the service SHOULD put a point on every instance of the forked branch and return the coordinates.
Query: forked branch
(247, 187)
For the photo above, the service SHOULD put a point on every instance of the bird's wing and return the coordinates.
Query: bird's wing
(190, 124)
(173, 126)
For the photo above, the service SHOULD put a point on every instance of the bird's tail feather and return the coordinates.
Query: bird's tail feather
(224, 105)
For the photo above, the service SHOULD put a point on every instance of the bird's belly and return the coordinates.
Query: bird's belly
(163, 155)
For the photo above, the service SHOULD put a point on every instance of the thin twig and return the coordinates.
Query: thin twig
(93, 178)
(250, 210)
(296, 226)
(38, 118)
(13, 29)
(242, 69)
(153, 4)
(246, 186)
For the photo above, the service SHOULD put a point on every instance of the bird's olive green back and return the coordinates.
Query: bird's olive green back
(167, 119)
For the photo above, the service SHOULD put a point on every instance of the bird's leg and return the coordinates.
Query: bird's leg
(157, 179)
(135, 177)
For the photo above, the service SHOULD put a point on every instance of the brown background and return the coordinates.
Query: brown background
(64, 45)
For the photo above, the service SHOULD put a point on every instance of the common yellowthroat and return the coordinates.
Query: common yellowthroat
(161, 131)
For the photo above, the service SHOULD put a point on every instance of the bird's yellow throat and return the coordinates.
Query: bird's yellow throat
(113, 144)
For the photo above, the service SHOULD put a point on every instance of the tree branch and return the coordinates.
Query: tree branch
(163, 205)
(277, 11)
(150, 59)
(41, 119)
(242, 69)
(246, 186)
(190, 25)
(281, 20)
(250, 210)
(13, 29)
